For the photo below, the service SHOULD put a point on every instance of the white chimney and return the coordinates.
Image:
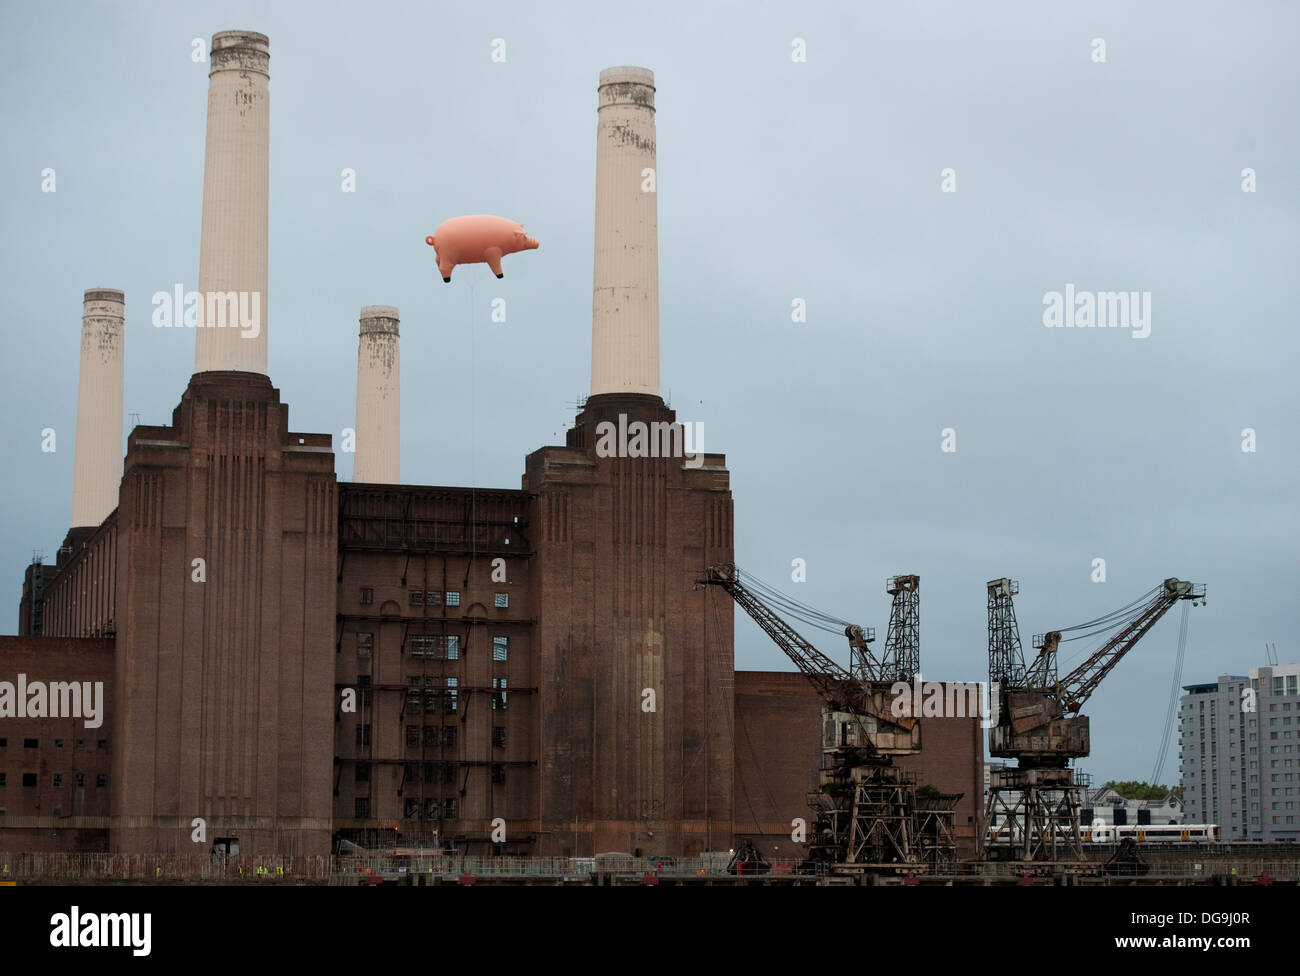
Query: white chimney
(625, 292)
(379, 387)
(232, 252)
(97, 461)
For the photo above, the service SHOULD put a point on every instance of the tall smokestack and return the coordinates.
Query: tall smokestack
(97, 462)
(232, 253)
(625, 292)
(378, 457)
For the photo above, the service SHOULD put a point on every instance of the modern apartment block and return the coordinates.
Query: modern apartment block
(1240, 754)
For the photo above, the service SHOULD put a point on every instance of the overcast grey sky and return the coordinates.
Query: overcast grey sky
(778, 180)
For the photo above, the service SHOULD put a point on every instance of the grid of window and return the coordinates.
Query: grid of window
(365, 644)
(362, 807)
(417, 598)
(453, 598)
(452, 694)
(367, 596)
(498, 694)
(500, 648)
(501, 600)
(498, 737)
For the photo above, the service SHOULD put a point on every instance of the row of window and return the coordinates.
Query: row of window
(433, 735)
(450, 808)
(79, 779)
(100, 744)
(434, 647)
(434, 598)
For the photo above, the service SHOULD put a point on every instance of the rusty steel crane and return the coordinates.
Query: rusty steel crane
(866, 812)
(1033, 810)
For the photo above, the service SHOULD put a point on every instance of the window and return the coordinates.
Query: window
(498, 694)
(58, 779)
(453, 598)
(363, 735)
(498, 773)
(101, 744)
(434, 646)
(433, 598)
(449, 736)
(412, 808)
(3, 743)
(452, 694)
(29, 779)
(498, 737)
(431, 809)
(500, 648)
(431, 735)
(81, 743)
(417, 598)
(361, 807)
(363, 690)
(412, 736)
(448, 773)
(365, 644)
(58, 743)
(367, 595)
(79, 780)
(2, 779)
(413, 700)
(430, 701)
(501, 600)
(363, 772)
(101, 780)
(450, 809)
(31, 743)
(429, 772)
(410, 773)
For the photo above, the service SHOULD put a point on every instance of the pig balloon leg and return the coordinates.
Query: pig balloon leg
(492, 256)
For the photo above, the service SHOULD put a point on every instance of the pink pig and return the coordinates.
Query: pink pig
(472, 240)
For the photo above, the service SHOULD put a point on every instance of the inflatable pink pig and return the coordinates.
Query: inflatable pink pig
(481, 238)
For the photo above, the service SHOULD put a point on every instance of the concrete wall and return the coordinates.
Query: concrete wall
(46, 817)
(227, 704)
(619, 541)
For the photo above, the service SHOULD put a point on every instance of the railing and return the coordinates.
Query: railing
(161, 867)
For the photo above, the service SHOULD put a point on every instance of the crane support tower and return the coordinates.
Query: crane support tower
(866, 813)
(1039, 724)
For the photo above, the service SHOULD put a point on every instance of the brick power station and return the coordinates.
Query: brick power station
(299, 660)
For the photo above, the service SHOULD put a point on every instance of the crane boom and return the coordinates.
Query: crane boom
(1077, 686)
(866, 700)
(831, 680)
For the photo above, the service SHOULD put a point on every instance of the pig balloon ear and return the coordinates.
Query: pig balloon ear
(429, 240)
